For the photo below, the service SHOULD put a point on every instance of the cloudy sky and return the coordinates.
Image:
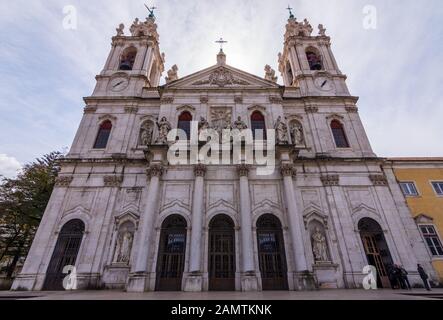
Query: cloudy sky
(45, 70)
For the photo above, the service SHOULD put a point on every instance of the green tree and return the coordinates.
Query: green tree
(22, 203)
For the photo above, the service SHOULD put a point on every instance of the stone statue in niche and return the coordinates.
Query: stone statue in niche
(239, 124)
(319, 246)
(281, 131)
(163, 129)
(146, 132)
(297, 135)
(123, 247)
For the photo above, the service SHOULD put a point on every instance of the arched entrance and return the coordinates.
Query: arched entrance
(65, 254)
(376, 249)
(271, 253)
(171, 254)
(221, 254)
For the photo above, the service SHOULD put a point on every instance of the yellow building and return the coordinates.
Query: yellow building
(421, 180)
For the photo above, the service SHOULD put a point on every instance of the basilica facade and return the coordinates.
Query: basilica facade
(127, 218)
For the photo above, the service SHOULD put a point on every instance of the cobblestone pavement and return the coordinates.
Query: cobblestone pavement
(267, 295)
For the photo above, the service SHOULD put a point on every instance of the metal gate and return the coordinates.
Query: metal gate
(271, 253)
(65, 254)
(221, 254)
(171, 255)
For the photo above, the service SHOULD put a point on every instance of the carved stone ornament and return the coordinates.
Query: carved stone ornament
(297, 134)
(297, 29)
(321, 30)
(270, 73)
(131, 109)
(378, 179)
(163, 129)
(311, 109)
(200, 170)
(281, 131)
(221, 119)
(319, 246)
(330, 180)
(146, 133)
(63, 181)
(204, 99)
(221, 77)
(274, 99)
(147, 28)
(89, 109)
(112, 181)
(287, 170)
(351, 109)
(239, 124)
(238, 99)
(120, 30)
(155, 170)
(243, 170)
(172, 74)
(167, 100)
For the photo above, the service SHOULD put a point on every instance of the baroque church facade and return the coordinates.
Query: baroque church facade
(128, 219)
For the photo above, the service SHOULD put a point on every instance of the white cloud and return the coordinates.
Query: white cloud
(9, 166)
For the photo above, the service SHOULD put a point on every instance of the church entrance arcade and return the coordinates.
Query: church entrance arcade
(65, 254)
(221, 254)
(171, 254)
(376, 250)
(271, 253)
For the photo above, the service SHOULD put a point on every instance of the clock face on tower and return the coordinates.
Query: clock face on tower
(324, 83)
(118, 84)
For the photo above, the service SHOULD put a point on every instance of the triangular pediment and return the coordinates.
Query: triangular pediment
(221, 76)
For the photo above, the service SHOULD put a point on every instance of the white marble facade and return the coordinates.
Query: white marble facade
(123, 197)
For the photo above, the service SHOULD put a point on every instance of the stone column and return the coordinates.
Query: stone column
(248, 277)
(303, 278)
(138, 279)
(194, 280)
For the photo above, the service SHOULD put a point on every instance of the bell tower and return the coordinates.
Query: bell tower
(307, 61)
(134, 61)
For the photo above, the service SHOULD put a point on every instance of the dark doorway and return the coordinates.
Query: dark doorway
(171, 254)
(376, 250)
(221, 254)
(65, 254)
(271, 253)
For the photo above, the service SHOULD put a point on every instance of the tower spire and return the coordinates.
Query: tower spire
(221, 57)
(151, 11)
(291, 16)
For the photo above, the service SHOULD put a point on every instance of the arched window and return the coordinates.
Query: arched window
(339, 134)
(103, 135)
(258, 125)
(128, 58)
(64, 254)
(184, 123)
(314, 60)
(289, 73)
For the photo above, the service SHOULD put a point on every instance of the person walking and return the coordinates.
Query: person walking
(404, 276)
(423, 276)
